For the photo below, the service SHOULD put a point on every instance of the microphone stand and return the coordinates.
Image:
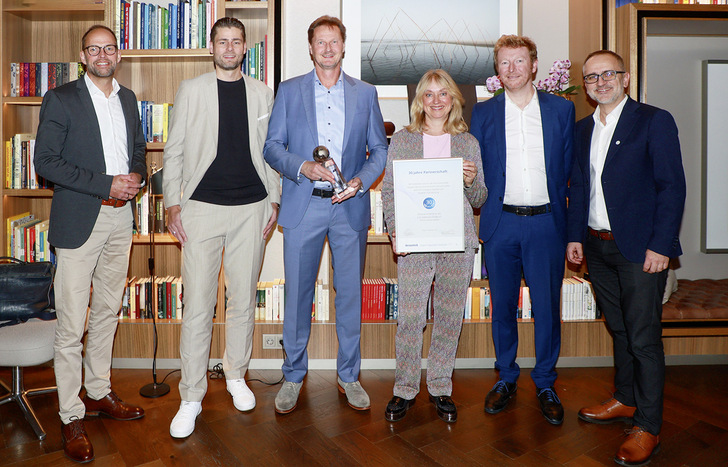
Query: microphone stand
(153, 389)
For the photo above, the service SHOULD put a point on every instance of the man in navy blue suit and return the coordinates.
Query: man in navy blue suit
(526, 143)
(329, 108)
(626, 204)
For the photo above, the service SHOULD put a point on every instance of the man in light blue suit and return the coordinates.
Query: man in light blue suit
(328, 108)
(526, 140)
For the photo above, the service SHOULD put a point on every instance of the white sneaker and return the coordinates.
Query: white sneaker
(183, 424)
(243, 398)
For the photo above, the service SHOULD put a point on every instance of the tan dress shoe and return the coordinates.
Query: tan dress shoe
(113, 407)
(638, 449)
(76, 445)
(608, 412)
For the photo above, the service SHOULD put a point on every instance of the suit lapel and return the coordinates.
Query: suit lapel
(309, 104)
(584, 149)
(128, 107)
(626, 122)
(95, 132)
(350, 99)
(500, 121)
(252, 107)
(548, 127)
(212, 108)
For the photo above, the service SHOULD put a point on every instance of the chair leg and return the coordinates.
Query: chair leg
(20, 395)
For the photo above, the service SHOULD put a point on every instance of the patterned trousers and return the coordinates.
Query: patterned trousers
(415, 272)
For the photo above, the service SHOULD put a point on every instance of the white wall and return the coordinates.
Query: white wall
(674, 83)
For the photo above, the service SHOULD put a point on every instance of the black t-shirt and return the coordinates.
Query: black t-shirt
(231, 180)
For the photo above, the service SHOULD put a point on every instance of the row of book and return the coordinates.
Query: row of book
(271, 302)
(155, 120)
(256, 60)
(35, 79)
(184, 24)
(27, 238)
(19, 168)
(577, 300)
(145, 298)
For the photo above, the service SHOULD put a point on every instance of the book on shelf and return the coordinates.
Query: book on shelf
(34, 79)
(19, 163)
(144, 298)
(164, 24)
(155, 120)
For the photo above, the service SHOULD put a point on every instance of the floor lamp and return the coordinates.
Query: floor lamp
(154, 187)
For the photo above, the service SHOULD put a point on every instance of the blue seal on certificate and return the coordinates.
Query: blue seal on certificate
(429, 203)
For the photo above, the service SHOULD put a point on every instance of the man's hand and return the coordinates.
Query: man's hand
(354, 186)
(272, 221)
(174, 223)
(655, 262)
(125, 187)
(316, 172)
(574, 252)
(469, 172)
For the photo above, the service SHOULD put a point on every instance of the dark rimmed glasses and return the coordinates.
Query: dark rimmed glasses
(608, 75)
(94, 50)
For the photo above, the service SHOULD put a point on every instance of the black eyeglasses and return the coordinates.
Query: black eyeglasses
(608, 75)
(96, 49)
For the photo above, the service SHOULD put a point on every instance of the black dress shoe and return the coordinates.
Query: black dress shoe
(551, 406)
(397, 408)
(446, 409)
(498, 397)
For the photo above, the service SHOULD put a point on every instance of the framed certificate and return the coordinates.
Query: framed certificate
(428, 205)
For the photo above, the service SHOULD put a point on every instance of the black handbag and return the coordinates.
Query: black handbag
(26, 291)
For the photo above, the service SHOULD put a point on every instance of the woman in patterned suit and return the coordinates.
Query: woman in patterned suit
(437, 130)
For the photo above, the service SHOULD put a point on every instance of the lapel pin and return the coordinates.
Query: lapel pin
(617, 143)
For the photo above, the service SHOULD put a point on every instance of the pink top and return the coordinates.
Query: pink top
(436, 146)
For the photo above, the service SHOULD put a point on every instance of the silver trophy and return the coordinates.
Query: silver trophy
(321, 155)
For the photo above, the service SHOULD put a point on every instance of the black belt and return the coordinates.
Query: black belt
(323, 193)
(527, 210)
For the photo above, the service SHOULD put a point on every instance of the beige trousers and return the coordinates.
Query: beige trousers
(217, 234)
(102, 261)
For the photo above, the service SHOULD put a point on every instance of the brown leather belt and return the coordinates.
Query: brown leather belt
(114, 203)
(601, 234)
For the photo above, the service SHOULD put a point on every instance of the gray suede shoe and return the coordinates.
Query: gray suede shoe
(287, 397)
(356, 396)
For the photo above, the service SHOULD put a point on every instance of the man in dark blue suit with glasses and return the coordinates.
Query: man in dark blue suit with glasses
(626, 205)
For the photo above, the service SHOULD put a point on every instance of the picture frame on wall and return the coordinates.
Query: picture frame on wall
(392, 44)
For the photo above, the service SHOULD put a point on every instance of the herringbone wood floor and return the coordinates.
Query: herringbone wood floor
(323, 430)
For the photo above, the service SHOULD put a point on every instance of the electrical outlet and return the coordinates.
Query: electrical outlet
(272, 341)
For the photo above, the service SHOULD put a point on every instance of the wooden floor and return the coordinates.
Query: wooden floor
(323, 430)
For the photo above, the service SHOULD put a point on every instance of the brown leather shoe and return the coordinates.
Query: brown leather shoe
(638, 449)
(113, 407)
(76, 445)
(607, 412)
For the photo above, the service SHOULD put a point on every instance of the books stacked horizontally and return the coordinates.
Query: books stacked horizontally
(164, 24)
(35, 79)
(577, 300)
(155, 120)
(144, 297)
(26, 238)
(19, 167)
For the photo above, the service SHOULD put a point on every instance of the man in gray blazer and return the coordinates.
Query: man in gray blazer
(222, 202)
(90, 145)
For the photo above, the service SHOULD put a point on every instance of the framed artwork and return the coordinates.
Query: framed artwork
(392, 43)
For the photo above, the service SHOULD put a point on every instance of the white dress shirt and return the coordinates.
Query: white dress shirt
(112, 125)
(601, 138)
(525, 161)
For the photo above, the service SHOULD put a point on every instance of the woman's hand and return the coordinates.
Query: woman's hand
(469, 173)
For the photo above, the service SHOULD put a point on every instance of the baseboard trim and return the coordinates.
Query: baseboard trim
(389, 364)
